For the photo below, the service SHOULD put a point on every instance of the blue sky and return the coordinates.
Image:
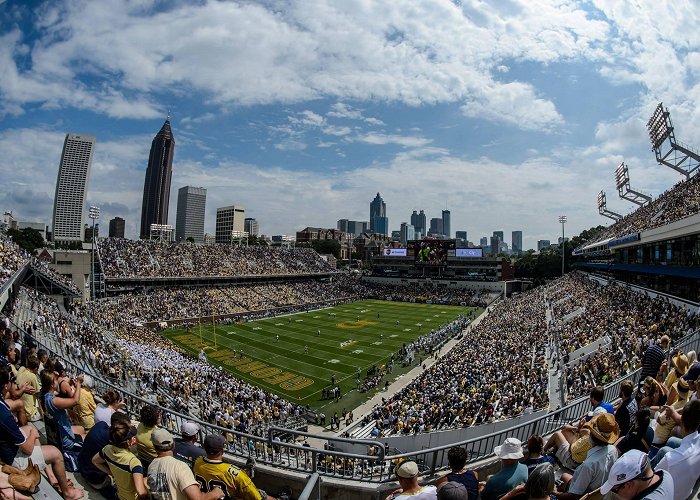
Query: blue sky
(508, 113)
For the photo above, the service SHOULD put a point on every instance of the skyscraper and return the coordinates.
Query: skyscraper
(156, 188)
(517, 242)
(251, 226)
(436, 226)
(484, 242)
(407, 232)
(189, 220)
(461, 237)
(71, 188)
(446, 224)
(419, 222)
(229, 221)
(377, 210)
(116, 227)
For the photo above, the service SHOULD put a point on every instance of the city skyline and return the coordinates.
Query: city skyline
(432, 104)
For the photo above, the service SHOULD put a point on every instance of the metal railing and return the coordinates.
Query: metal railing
(312, 490)
(279, 448)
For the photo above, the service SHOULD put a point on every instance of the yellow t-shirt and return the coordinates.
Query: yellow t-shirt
(579, 449)
(29, 400)
(122, 463)
(235, 483)
(86, 409)
(144, 446)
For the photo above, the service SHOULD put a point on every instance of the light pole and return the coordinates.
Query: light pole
(562, 221)
(94, 214)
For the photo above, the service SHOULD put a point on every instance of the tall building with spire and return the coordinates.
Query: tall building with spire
(156, 188)
(378, 221)
(71, 188)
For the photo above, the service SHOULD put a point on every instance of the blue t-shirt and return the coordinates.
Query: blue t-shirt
(96, 439)
(60, 417)
(469, 480)
(502, 482)
(609, 408)
(11, 437)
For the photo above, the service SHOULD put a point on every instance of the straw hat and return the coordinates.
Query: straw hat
(605, 428)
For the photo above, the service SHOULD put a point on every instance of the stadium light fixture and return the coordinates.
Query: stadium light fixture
(622, 182)
(562, 221)
(678, 156)
(603, 208)
(94, 214)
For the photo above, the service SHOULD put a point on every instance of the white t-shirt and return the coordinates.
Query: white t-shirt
(103, 414)
(426, 493)
(168, 477)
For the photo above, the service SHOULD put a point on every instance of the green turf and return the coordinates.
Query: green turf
(282, 366)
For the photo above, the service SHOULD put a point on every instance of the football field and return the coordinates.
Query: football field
(296, 356)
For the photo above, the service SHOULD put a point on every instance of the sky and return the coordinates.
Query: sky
(508, 113)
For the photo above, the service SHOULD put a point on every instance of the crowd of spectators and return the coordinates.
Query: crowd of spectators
(116, 459)
(491, 374)
(164, 304)
(130, 354)
(12, 257)
(121, 257)
(681, 201)
(629, 320)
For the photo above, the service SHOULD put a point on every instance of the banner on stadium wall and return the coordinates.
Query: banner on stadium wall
(469, 252)
(394, 252)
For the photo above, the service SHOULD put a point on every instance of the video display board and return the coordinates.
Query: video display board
(430, 252)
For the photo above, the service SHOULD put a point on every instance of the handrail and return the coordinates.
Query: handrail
(313, 483)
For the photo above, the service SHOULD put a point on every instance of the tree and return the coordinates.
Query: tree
(327, 246)
(189, 239)
(28, 238)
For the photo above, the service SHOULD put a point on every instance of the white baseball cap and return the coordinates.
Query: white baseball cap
(626, 468)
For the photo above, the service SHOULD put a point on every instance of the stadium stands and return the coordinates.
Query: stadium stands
(141, 258)
(681, 201)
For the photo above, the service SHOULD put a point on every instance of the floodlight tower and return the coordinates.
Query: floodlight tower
(603, 208)
(562, 221)
(622, 181)
(94, 214)
(676, 155)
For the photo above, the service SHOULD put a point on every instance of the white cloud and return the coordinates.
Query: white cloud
(401, 140)
(243, 53)
(514, 103)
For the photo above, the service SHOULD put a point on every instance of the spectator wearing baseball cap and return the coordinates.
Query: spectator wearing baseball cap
(407, 476)
(212, 471)
(631, 477)
(512, 472)
(591, 474)
(186, 448)
(171, 478)
(117, 460)
(452, 490)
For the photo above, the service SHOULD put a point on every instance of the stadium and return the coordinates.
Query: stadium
(330, 379)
